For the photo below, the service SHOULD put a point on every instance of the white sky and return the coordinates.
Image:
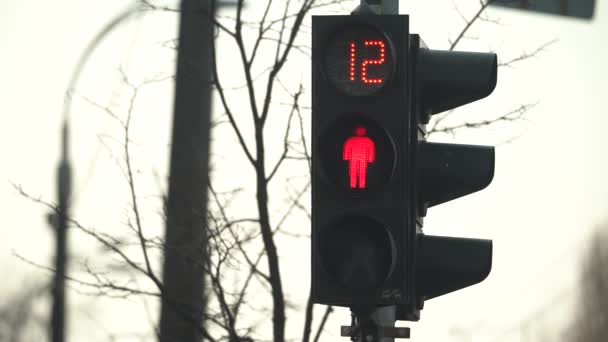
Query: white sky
(549, 191)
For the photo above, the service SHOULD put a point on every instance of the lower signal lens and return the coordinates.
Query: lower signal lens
(358, 252)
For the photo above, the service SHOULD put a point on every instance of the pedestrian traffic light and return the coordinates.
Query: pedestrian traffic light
(360, 135)
(374, 88)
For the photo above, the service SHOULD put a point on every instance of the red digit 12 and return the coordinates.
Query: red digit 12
(366, 62)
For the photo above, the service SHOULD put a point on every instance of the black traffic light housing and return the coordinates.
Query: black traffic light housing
(444, 80)
(374, 88)
(361, 135)
(446, 264)
(449, 79)
(449, 171)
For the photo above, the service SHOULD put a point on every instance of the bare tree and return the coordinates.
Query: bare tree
(444, 123)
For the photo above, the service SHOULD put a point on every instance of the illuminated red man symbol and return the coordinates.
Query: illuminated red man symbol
(359, 150)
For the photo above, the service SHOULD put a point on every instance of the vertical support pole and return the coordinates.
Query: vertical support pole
(384, 6)
(183, 297)
(390, 7)
(385, 317)
(59, 222)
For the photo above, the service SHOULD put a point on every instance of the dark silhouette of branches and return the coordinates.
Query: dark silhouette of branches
(483, 5)
(439, 124)
(526, 55)
(285, 34)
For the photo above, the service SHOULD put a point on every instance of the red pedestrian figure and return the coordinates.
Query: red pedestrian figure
(358, 150)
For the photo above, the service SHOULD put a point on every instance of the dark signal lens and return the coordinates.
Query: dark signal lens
(358, 60)
(357, 252)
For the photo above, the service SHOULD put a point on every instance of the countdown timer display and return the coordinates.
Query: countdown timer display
(358, 60)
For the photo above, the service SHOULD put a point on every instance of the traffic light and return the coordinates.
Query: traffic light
(361, 131)
(374, 175)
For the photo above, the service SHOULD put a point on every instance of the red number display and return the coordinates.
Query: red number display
(358, 60)
(352, 61)
(363, 72)
(380, 60)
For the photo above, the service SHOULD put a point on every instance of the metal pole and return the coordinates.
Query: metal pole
(390, 6)
(59, 222)
(383, 6)
(385, 317)
(183, 300)
(59, 218)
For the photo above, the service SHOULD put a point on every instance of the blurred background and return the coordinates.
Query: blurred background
(546, 209)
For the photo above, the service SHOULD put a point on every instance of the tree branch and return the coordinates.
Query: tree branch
(328, 311)
(482, 7)
(513, 115)
(283, 156)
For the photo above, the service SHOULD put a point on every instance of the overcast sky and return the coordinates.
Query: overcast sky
(548, 195)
